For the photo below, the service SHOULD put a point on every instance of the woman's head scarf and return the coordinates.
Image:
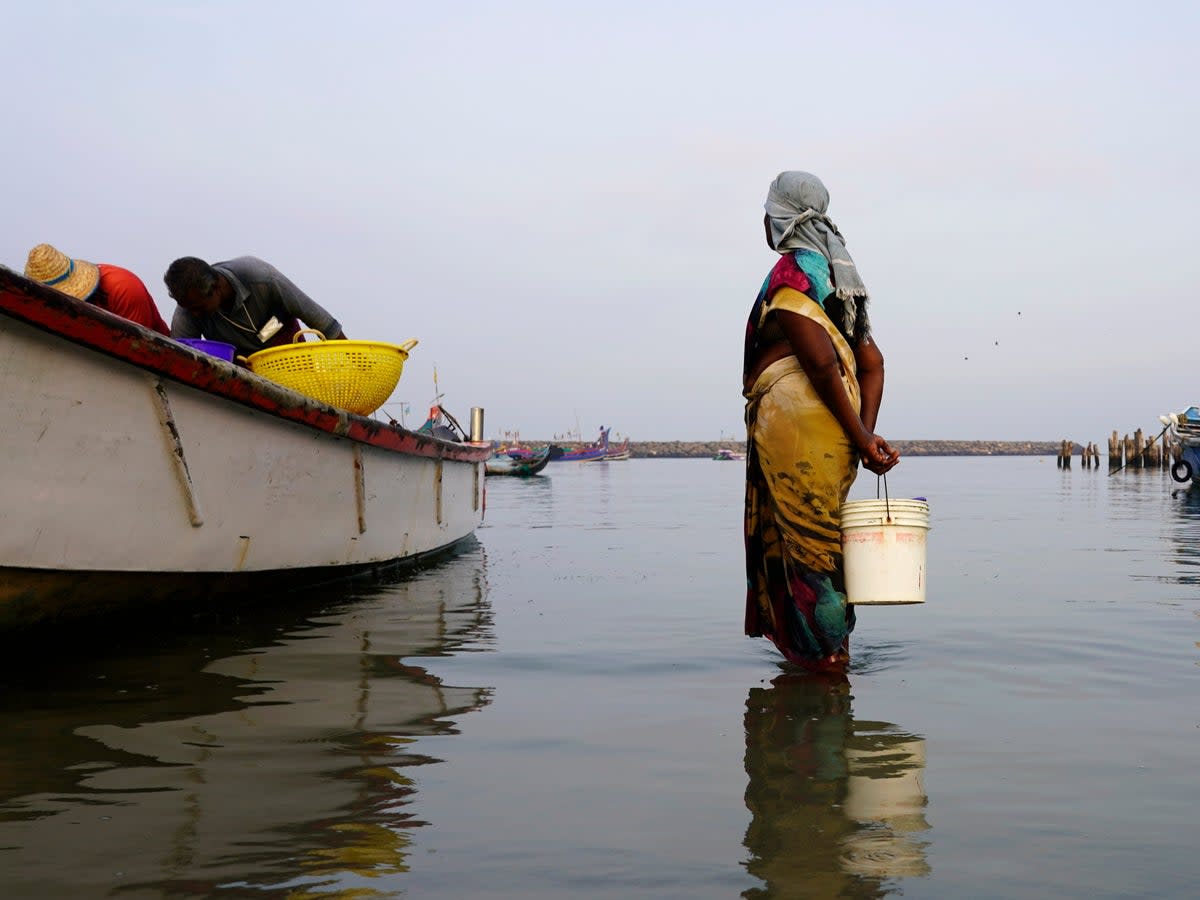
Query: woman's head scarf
(796, 204)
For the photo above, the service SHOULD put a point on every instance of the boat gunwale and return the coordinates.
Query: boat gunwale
(98, 330)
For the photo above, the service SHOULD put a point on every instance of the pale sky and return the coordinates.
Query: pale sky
(563, 201)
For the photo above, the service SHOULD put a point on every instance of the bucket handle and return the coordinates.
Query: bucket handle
(298, 337)
(887, 507)
(409, 344)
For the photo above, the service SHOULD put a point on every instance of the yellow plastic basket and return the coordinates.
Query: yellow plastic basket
(358, 376)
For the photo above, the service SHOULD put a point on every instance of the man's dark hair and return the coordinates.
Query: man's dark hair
(187, 274)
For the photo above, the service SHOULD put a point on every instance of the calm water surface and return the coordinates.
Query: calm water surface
(568, 709)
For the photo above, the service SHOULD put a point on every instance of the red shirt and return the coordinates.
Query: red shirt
(123, 293)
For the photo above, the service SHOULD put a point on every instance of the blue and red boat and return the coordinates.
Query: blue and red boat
(596, 450)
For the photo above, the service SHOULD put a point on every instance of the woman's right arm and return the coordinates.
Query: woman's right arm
(868, 360)
(818, 358)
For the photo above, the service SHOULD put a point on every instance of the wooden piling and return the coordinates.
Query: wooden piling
(1068, 449)
(1159, 452)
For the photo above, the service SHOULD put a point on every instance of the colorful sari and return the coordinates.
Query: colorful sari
(799, 468)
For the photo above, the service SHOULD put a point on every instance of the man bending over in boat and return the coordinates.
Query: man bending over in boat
(109, 287)
(245, 302)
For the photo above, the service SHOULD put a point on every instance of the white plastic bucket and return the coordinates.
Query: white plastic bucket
(883, 542)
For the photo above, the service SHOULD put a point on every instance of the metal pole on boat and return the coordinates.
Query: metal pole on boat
(476, 424)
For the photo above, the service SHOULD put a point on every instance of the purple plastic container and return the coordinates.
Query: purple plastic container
(219, 349)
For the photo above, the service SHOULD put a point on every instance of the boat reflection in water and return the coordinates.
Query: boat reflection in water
(838, 805)
(263, 758)
(1185, 533)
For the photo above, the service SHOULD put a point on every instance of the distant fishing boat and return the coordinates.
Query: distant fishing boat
(520, 451)
(618, 451)
(1185, 428)
(725, 454)
(512, 445)
(596, 450)
(504, 464)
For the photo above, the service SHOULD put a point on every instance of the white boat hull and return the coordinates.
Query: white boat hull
(111, 468)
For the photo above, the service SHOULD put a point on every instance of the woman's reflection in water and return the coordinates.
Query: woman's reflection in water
(837, 805)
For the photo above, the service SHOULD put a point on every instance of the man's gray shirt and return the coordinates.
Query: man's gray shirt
(260, 292)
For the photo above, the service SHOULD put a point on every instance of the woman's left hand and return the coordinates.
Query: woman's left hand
(878, 456)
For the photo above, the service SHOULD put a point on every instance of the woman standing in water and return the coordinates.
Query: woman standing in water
(813, 380)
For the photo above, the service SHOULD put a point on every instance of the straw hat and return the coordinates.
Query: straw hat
(57, 270)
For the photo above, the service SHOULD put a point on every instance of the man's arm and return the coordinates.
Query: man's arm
(305, 308)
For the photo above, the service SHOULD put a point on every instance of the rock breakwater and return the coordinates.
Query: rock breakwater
(700, 449)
